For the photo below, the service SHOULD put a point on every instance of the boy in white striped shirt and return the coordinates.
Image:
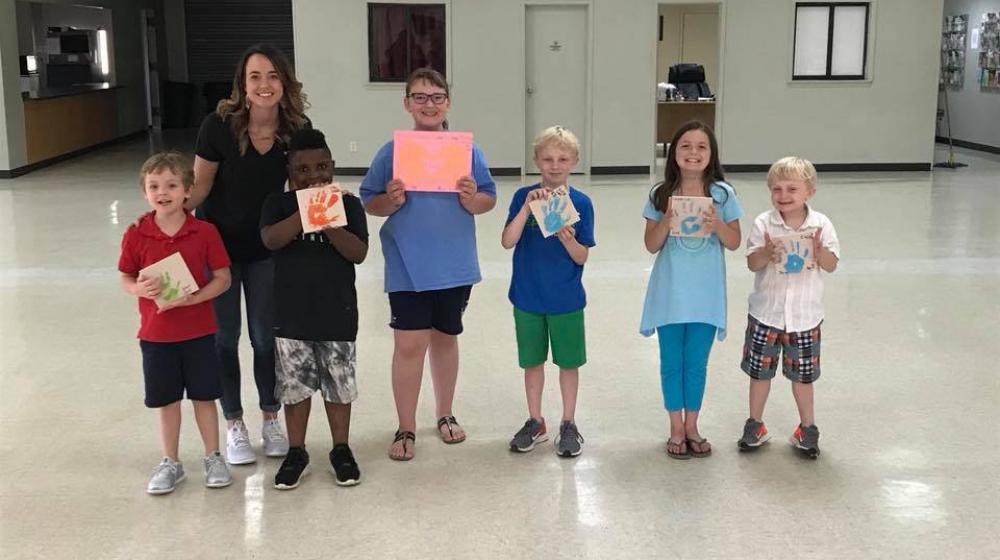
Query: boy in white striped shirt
(786, 305)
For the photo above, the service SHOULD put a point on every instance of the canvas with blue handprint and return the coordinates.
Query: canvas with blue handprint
(555, 212)
(796, 251)
(686, 215)
(175, 278)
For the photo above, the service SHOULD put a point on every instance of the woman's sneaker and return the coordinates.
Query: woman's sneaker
(806, 440)
(754, 435)
(216, 472)
(531, 433)
(273, 438)
(293, 468)
(238, 450)
(569, 442)
(166, 476)
(344, 467)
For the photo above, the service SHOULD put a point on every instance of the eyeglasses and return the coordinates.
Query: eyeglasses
(422, 98)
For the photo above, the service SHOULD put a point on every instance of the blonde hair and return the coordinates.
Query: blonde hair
(559, 136)
(792, 167)
(173, 161)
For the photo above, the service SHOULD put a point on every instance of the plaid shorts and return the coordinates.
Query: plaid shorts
(763, 345)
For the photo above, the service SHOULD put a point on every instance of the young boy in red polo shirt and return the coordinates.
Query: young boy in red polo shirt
(177, 340)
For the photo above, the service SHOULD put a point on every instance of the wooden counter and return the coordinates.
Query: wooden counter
(62, 124)
(671, 115)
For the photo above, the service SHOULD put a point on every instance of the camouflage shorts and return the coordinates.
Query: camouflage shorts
(303, 367)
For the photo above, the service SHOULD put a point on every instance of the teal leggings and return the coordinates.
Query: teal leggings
(684, 350)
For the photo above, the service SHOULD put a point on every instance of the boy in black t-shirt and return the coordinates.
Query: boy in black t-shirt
(315, 309)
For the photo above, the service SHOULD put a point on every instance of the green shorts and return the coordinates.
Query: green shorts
(534, 330)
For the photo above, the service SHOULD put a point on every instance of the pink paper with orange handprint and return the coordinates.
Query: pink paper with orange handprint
(321, 208)
(431, 161)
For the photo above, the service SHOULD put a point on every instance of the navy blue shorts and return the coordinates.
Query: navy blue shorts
(440, 310)
(171, 368)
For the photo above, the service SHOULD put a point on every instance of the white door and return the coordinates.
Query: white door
(556, 74)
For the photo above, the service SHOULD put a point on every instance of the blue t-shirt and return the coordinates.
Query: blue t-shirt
(430, 242)
(546, 279)
(688, 280)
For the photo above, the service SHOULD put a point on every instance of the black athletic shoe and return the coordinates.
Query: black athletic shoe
(293, 468)
(345, 468)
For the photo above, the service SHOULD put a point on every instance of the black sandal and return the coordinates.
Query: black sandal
(402, 436)
(449, 421)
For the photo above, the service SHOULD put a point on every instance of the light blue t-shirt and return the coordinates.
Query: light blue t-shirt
(688, 281)
(430, 242)
(545, 279)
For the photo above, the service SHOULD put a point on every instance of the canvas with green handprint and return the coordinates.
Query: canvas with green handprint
(795, 251)
(175, 278)
(555, 212)
(686, 215)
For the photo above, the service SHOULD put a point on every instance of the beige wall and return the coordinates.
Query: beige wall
(486, 70)
(887, 119)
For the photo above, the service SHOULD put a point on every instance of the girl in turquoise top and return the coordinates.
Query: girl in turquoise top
(686, 297)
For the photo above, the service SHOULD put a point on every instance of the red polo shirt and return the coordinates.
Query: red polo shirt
(201, 247)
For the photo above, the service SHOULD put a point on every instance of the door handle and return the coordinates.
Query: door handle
(530, 90)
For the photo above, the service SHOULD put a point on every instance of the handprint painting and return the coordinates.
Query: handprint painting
(431, 161)
(796, 253)
(555, 212)
(686, 215)
(175, 278)
(321, 208)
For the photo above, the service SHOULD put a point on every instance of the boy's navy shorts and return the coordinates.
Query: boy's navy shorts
(173, 368)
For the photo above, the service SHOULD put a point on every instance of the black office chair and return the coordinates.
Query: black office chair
(689, 79)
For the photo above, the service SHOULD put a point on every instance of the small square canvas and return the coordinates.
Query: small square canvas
(686, 215)
(554, 213)
(321, 208)
(796, 250)
(175, 278)
(431, 161)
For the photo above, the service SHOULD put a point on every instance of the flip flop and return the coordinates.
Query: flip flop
(682, 454)
(403, 436)
(699, 442)
(449, 421)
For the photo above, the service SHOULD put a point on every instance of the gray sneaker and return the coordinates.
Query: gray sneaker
(754, 435)
(531, 433)
(216, 472)
(806, 440)
(238, 450)
(569, 442)
(272, 435)
(165, 477)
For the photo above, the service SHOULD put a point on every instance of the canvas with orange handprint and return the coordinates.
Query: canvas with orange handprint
(175, 278)
(321, 208)
(431, 161)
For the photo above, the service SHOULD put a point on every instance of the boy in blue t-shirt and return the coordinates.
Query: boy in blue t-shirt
(546, 289)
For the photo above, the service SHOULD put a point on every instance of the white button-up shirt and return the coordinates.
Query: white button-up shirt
(793, 302)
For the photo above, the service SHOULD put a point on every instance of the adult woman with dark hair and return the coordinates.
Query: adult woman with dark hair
(240, 159)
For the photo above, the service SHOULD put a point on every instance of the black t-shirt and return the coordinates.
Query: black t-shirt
(314, 295)
(240, 187)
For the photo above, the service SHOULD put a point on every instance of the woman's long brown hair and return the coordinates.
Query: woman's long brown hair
(291, 109)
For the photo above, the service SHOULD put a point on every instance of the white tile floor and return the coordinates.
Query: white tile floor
(908, 402)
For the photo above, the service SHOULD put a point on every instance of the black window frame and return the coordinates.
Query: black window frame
(829, 76)
(372, 78)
